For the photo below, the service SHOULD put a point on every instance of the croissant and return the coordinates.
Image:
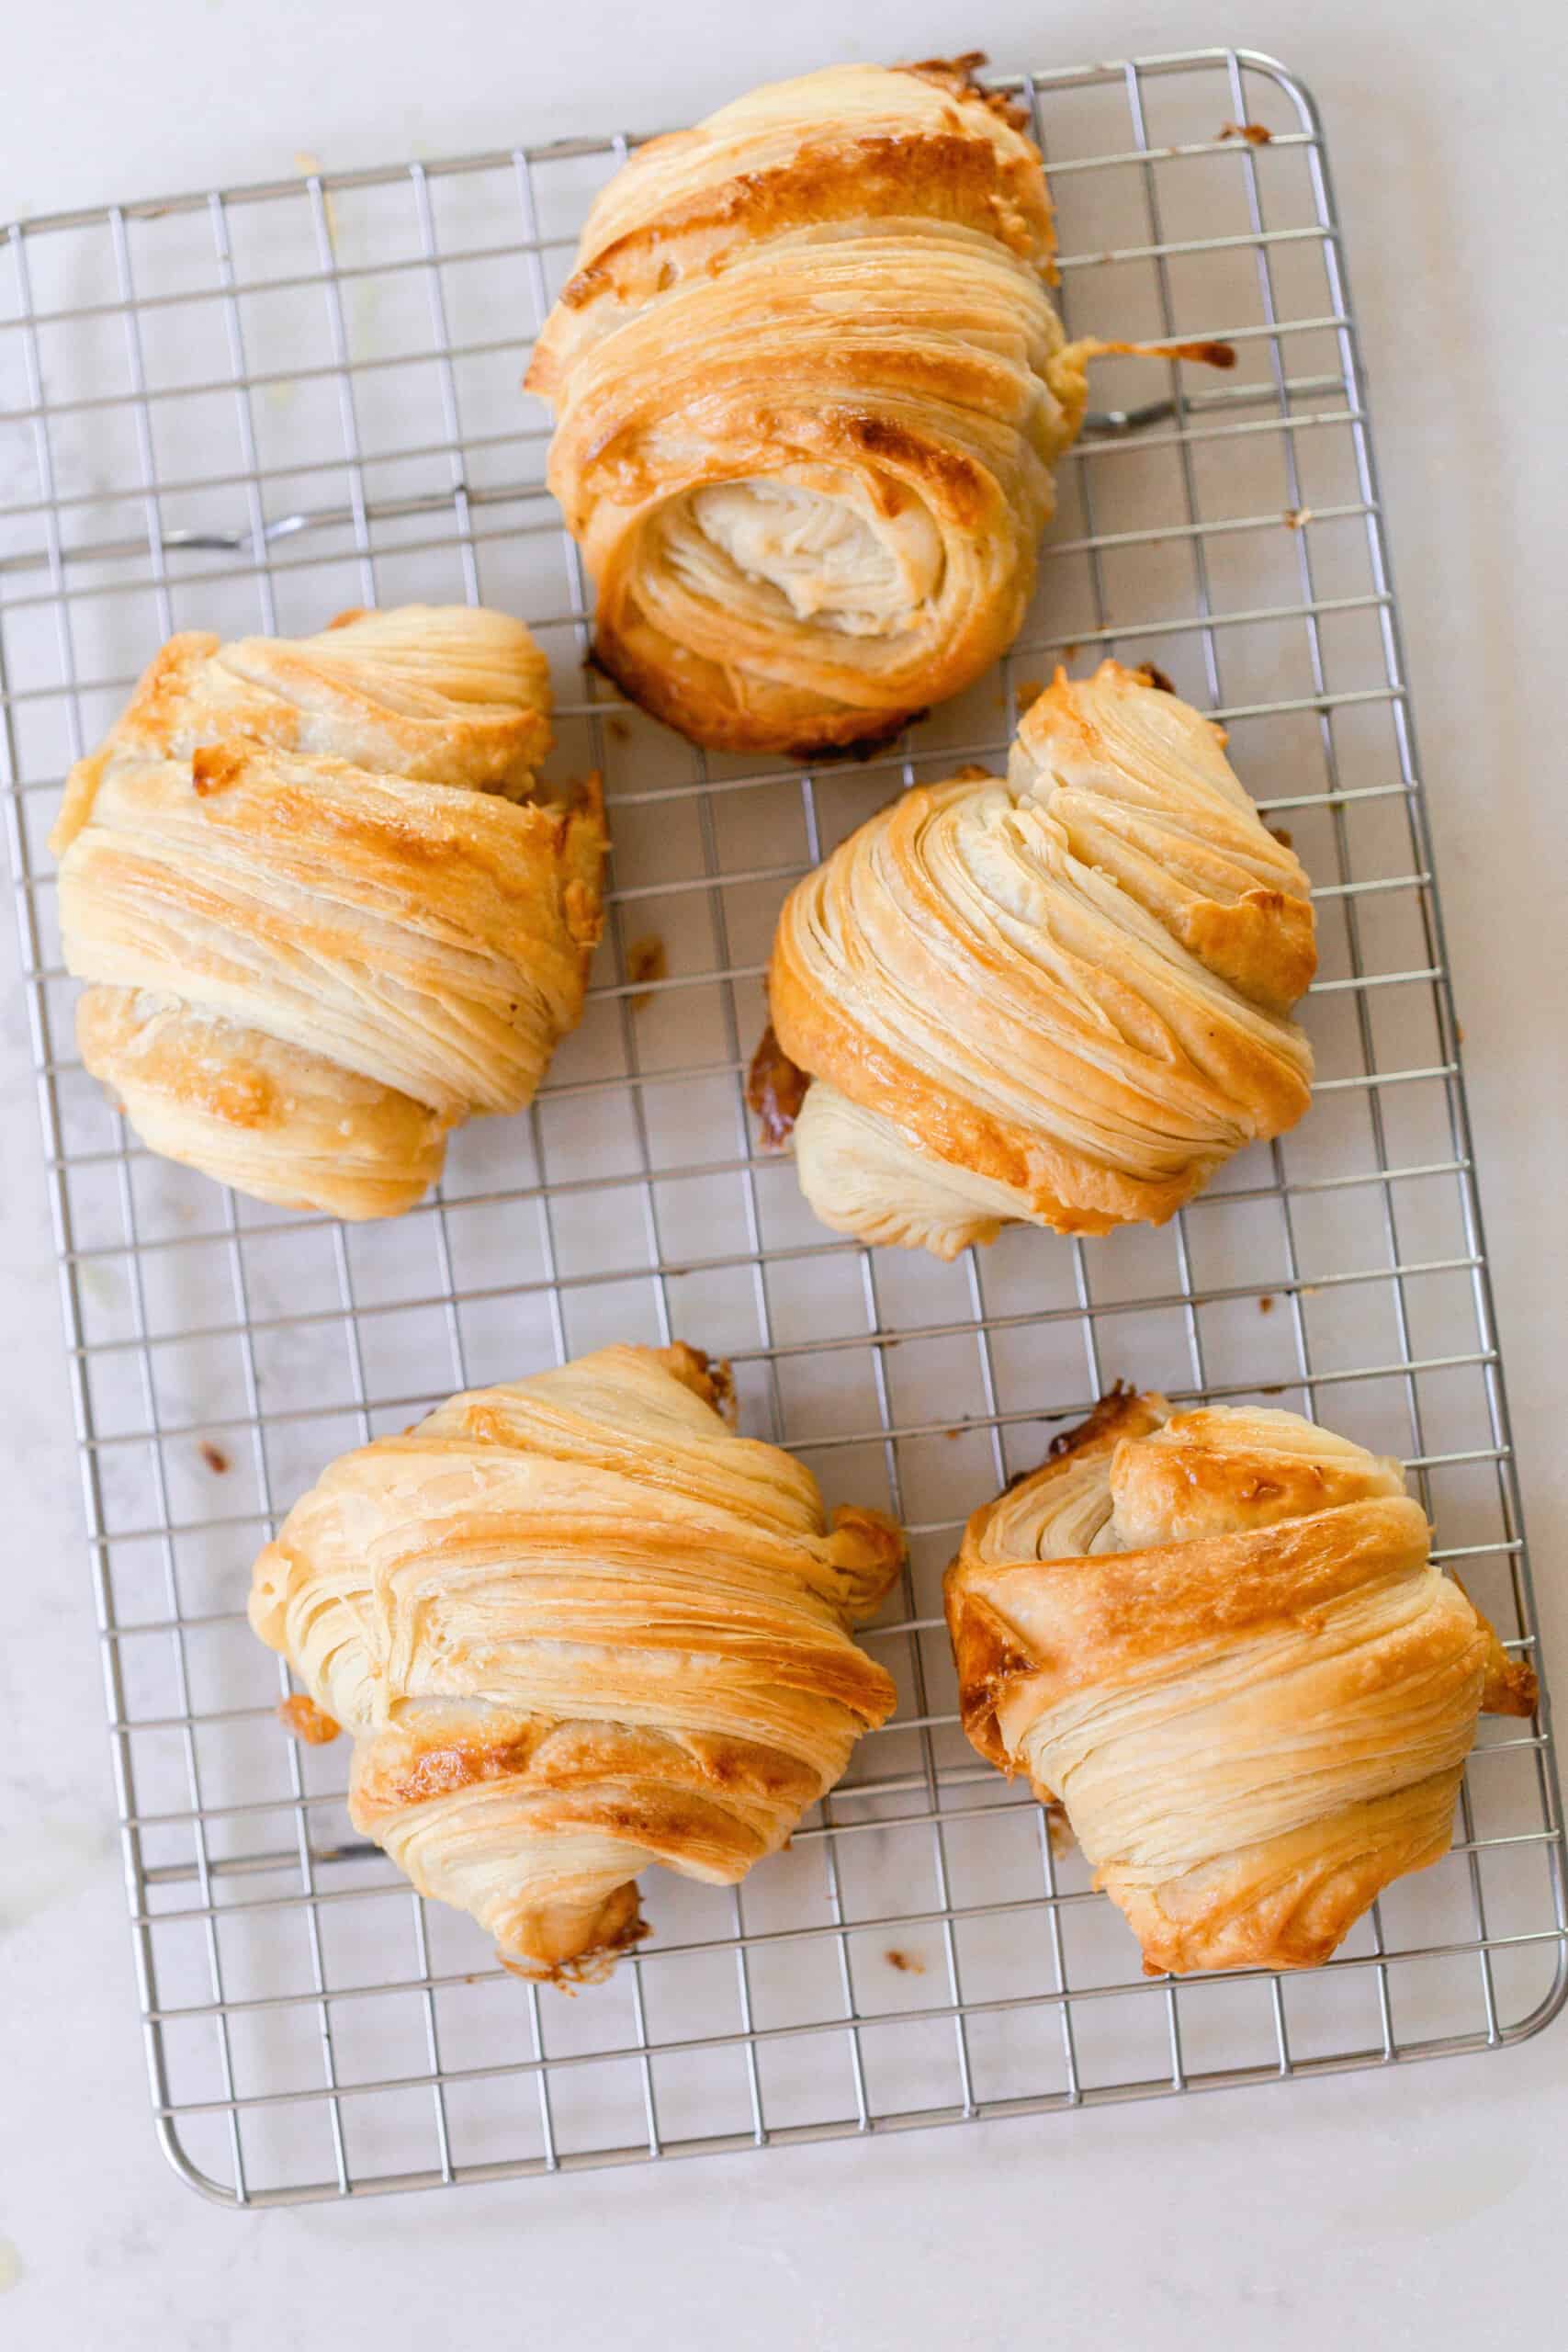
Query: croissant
(1062, 999)
(321, 921)
(575, 1625)
(1219, 1640)
(809, 390)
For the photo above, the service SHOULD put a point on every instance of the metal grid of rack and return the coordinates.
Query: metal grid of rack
(243, 411)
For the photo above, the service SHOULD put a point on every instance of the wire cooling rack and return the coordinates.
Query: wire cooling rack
(244, 411)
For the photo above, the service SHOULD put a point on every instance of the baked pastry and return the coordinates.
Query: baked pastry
(323, 917)
(575, 1625)
(808, 390)
(1062, 999)
(1219, 1640)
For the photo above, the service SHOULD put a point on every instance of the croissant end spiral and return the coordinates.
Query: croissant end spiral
(322, 920)
(575, 1625)
(809, 390)
(1219, 1640)
(1062, 1000)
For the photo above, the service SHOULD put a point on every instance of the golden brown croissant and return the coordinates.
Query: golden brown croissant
(1062, 1000)
(575, 1625)
(322, 924)
(809, 389)
(1219, 1640)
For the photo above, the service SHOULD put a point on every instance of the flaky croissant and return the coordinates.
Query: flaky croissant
(322, 922)
(1219, 1640)
(1062, 1000)
(575, 1625)
(809, 389)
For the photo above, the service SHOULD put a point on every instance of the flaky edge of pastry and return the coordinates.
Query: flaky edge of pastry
(831, 165)
(988, 1655)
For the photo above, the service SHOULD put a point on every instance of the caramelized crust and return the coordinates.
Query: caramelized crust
(849, 144)
(301, 1716)
(776, 1089)
(574, 1626)
(1219, 1640)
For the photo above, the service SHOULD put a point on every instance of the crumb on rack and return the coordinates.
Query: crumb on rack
(309, 166)
(1266, 1303)
(1257, 134)
(647, 959)
(1027, 693)
(215, 1458)
(907, 1963)
(300, 1716)
(1296, 518)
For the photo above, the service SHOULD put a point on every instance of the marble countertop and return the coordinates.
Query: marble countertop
(1421, 2207)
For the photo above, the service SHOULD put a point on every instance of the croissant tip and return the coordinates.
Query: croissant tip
(584, 1968)
(1515, 1692)
(1120, 1404)
(300, 1716)
(709, 1378)
(775, 1090)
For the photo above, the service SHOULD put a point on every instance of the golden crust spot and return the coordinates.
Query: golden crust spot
(215, 767)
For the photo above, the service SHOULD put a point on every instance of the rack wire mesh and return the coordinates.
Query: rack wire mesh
(245, 410)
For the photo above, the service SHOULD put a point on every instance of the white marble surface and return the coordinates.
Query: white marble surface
(1421, 2207)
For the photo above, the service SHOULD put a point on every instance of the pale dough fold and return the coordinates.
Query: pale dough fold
(1218, 1639)
(323, 919)
(575, 1625)
(809, 389)
(1062, 1000)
